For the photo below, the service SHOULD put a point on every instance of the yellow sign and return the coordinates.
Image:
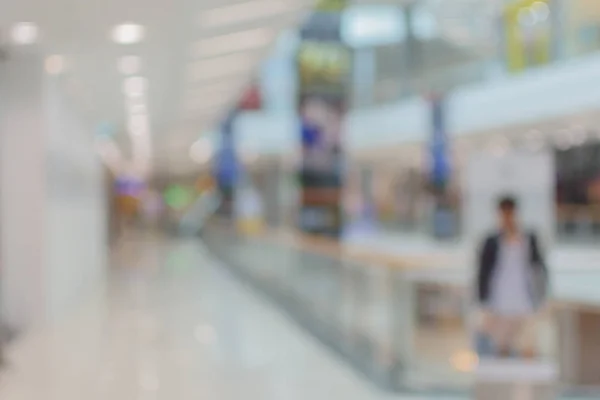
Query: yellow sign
(527, 30)
(323, 63)
(331, 5)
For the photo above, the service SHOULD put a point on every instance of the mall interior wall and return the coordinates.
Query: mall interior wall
(557, 90)
(52, 211)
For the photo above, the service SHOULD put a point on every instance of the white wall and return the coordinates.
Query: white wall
(22, 192)
(52, 211)
(76, 209)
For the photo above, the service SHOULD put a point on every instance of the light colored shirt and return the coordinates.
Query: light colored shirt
(510, 294)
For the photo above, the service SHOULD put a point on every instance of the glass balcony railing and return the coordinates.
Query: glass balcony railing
(406, 328)
(469, 41)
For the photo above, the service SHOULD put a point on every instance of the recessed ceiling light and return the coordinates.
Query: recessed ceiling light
(55, 65)
(129, 65)
(135, 86)
(128, 33)
(24, 33)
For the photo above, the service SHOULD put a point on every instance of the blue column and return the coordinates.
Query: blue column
(444, 224)
(227, 166)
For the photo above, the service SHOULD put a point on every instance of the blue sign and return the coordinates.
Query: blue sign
(227, 168)
(311, 135)
(440, 164)
(444, 218)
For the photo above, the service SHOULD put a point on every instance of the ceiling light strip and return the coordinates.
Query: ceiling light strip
(128, 33)
(138, 125)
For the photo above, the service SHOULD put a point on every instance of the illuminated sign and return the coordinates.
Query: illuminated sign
(323, 64)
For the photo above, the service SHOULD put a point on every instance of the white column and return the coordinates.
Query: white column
(22, 191)
(52, 204)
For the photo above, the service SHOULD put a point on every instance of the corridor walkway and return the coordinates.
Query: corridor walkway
(172, 324)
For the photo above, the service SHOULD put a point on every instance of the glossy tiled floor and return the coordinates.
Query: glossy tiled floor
(171, 324)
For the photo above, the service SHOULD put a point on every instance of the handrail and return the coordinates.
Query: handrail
(369, 258)
(365, 310)
(333, 248)
(198, 214)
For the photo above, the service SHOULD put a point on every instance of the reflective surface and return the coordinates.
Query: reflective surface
(407, 328)
(173, 324)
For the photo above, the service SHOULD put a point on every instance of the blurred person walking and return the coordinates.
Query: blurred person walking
(512, 283)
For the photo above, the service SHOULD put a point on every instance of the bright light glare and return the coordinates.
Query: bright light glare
(55, 65)
(201, 151)
(128, 33)
(233, 42)
(541, 10)
(464, 361)
(372, 26)
(129, 65)
(135, 86)
(527, 17)
(24, 33)
(244, 12)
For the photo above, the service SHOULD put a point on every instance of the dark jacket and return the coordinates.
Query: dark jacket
(488, 260)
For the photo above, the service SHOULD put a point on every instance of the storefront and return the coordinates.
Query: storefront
(581, 27)
(578, 191)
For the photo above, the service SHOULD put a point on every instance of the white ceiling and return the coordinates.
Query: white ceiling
(192, 77)
(180, 59)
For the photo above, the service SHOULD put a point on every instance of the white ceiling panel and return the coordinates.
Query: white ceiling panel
(196, 58)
